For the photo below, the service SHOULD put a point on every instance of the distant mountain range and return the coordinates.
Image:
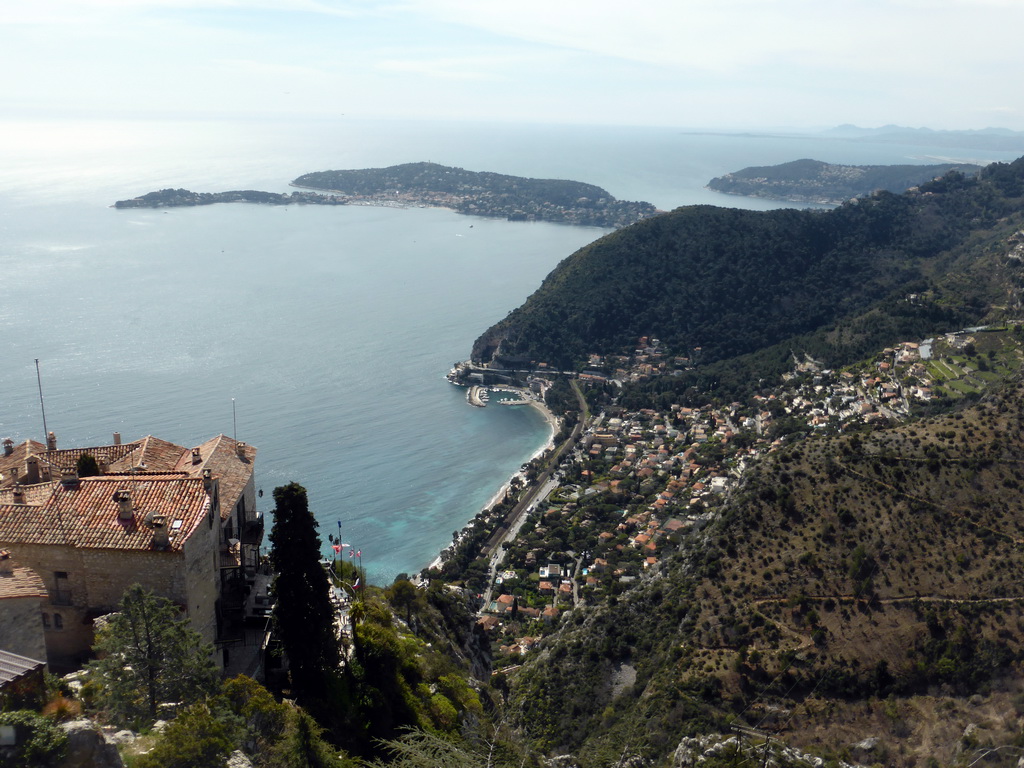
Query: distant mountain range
(998, 139)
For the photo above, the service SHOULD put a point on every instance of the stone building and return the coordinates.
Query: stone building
(22, 595)
(181, 522)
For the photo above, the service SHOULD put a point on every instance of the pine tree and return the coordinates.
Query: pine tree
(150, 655)
(303, 615)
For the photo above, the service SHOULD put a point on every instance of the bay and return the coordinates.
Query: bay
(323, 332)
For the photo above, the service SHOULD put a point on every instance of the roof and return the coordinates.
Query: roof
(230, 461)
(67, 458)
(13, 466)
(22, 582)
(36, 494)
(150, 453)
(87, 516)
(13, 666)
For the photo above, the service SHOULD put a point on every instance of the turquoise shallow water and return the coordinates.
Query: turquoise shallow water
(331, 328)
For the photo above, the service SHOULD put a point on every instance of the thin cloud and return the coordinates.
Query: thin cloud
(444, 69)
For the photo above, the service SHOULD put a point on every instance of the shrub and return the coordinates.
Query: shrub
(40, 743)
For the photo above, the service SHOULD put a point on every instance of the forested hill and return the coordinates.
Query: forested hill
(483, 193)
(813, 181)
(732, 282)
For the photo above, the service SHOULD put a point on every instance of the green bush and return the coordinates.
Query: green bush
(195, 739)
(39, 743)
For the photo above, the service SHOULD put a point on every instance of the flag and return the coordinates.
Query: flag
(359, 553)
(350, 553)
(346, 546)
(336, 548)
(356, 585)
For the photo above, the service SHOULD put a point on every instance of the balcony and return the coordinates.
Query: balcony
(251, 533)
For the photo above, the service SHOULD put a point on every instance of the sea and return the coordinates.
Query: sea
(320, 335)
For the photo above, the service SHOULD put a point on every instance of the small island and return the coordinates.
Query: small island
(474, 193)
(813, 181)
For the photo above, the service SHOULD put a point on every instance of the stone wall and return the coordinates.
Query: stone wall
(97, 578)
(201, 573)
(21, 627)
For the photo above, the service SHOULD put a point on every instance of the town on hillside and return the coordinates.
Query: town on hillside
(636, 481)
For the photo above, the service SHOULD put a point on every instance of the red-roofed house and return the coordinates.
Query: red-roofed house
(96, 536)
(32, 476)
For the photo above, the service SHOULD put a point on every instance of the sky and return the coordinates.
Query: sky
(721, 64)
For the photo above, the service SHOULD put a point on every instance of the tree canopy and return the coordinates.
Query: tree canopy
(733, 282)
(303, 615)
(150, 655)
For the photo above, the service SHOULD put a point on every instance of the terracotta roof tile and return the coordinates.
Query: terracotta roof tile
(221, 456)
(13, 467)
(67, 458)
(152, 454)
(87, 516)
(23, 582)
(36, 494)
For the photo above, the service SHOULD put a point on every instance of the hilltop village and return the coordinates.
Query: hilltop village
(636, 481)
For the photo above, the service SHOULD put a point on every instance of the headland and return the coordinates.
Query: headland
(429, 185)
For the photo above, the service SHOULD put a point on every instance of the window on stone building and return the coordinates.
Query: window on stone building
(58, 621)
(46, 621)
(62, 591)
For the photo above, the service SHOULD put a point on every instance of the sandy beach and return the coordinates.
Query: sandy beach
(554, 423)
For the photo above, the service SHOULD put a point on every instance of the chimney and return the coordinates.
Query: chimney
(117, 438)
(32, 469)
(8, 446)
(18, 494)
(6, 563)
(51, 442)
(207, 479)
(196, 457)
(161, 537)
(124, 504)
(69, 480)
(240, 449)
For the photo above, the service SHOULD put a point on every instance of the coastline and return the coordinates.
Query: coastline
(553, 422)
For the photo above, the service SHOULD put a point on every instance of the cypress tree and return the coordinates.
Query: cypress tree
(303, 615)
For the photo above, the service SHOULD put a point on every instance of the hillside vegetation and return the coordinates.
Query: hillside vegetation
(855, 584)
(728, 282)
(812, 181)
(482, 193)
(858, 581)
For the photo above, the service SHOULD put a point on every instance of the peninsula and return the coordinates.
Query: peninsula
(177, 198)
(482, 194)
(475, 193)
(814, 181)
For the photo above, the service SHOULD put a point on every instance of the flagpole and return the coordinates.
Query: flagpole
(39, 381)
